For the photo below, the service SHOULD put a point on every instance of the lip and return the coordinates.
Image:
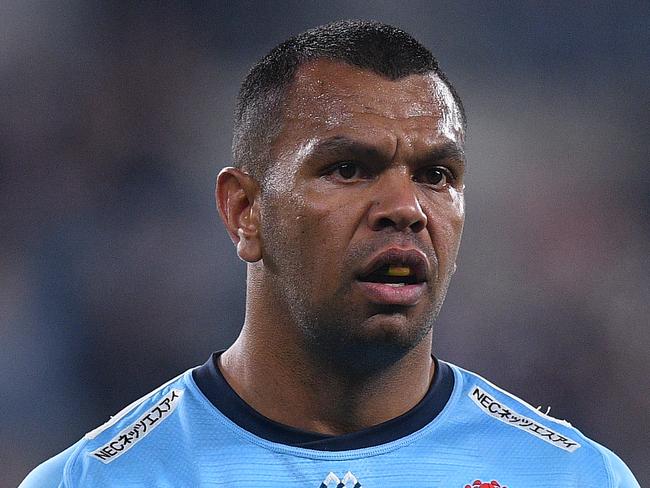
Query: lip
(385, 294)
(382, 294)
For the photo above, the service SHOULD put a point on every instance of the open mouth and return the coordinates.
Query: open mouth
(392, 274)
(395, 277)
(396, 267)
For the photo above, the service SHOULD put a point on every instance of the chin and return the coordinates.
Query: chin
(393, 331)
(364, 344)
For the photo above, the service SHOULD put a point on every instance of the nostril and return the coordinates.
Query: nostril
(401, 224)
(384, 222)
(418, 226)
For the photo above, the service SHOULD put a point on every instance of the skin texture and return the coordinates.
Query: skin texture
(362, 164)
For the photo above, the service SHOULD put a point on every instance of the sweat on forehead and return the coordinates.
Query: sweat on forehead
(339, 88)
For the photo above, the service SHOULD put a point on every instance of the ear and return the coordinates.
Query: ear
(237, 195)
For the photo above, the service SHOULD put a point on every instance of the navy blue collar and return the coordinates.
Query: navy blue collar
(214, 386)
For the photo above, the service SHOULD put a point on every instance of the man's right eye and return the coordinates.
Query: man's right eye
(347, 171)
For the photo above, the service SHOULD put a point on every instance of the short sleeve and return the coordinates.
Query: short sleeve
(50, 473)
(620, 474)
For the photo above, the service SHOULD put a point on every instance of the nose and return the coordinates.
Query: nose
(395, 204)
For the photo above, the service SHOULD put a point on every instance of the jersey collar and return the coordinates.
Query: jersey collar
(216, 389)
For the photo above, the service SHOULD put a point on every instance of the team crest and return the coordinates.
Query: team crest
(485, 484)
(348, 481)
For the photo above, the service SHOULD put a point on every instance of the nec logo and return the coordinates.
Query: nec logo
(134, 433)
(333, 481)
(498, 411)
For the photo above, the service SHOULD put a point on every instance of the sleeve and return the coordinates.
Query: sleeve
(620, 474)
(50, 473)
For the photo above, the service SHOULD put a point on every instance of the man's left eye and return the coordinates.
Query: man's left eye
(436, 176)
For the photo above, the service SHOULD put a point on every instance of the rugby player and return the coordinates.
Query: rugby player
(346, 200)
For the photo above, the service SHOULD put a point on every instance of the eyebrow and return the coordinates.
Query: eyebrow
(345, 146)
(447, 150)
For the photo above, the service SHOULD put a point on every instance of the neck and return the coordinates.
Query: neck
(279, 379)
(270, 367)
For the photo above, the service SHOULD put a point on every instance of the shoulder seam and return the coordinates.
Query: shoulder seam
(119, 415)
(71, 461)
(608, 468)
(522, 401)
(75, 456)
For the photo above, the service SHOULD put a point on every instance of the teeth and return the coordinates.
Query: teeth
(398, 271)
(395, 285)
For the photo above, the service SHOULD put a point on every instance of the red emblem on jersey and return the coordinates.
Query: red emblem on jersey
(485, 484)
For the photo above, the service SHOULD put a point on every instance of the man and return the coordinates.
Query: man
(346, 201)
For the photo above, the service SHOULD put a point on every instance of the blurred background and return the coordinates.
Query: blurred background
(116, 274)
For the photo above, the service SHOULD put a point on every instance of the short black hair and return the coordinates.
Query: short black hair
(380, 48)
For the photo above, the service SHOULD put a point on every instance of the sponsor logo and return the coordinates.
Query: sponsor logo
(485, 484)
(138, 430)
(333, 481)
(494, 409)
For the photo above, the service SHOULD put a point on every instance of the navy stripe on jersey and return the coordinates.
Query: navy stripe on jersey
(214, 386)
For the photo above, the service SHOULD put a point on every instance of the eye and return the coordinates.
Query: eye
(436, 176)
(347, 171)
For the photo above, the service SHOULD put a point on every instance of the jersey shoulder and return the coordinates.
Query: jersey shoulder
(112, 439)
(513, 420)
(620, 474)
(135, 422)
(50, 473)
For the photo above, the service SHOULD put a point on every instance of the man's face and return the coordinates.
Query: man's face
(362, 210)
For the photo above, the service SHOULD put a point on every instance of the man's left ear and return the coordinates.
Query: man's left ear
(237, 195)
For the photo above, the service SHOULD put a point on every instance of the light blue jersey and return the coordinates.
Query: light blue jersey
(194, 431)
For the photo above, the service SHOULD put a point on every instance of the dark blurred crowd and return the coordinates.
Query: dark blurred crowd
(115, 273)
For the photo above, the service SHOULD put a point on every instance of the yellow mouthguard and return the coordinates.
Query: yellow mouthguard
(398, 271)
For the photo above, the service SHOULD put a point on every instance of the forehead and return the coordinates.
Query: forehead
(329, 94)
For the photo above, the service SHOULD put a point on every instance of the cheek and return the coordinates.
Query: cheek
(458, 202)
(304, 233)
(327, 225)
(445, 226)
(334, 215)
